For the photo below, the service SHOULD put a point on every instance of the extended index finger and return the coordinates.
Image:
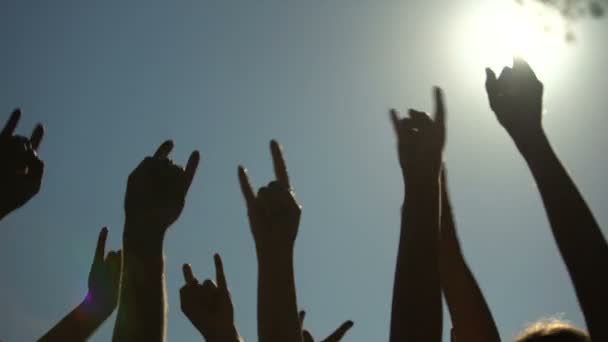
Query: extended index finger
(220, 276)
(246, 188)
(11, 124)
(100, 250)
(439, 106)
(188, 274)
(280, 168)
(395, 120)
(164, 149)
(340, 332)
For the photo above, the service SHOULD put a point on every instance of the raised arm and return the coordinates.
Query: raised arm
(20, 169)
(98, 304)
(156, 192)
(471, 316)
(516, 99)
(416, 310)
(274, 217)
(208, 306)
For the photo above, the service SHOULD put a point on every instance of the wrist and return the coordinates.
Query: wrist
(275, 264)
(529, 140)
(422, 183)
(91, 312)
(142, 239)
(275, 255)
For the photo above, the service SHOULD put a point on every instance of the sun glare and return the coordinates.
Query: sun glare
(499, 30)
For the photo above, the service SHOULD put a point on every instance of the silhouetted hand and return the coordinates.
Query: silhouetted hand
(516, 98)
(421, 141)
(156, 192)
(104, 279)
(21, 169)
(274, 214)
(336, 336)
(209, 306)
(100, 301)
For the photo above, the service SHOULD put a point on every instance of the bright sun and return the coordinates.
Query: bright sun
(501, 29)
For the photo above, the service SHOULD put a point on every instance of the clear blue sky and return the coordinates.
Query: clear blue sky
(112, 79)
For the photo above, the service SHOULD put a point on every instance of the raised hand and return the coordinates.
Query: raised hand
(21, 170)
(104, 279)
(421, 140)
(336, 336)
(156, 191)
(416, 310)
(274, 217)
(274, 214)
(208, 306)
(100, 301)
(516, 98)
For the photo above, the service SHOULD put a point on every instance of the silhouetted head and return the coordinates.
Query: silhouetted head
(553, 330)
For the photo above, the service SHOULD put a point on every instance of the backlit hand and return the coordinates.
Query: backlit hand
(21, 170)
(421, 141)
(274, 214)
(208, 305)
(516, 98)
(156, 192)
(104, 280)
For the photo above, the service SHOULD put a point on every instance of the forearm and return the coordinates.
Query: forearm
(278, 319)
(141, 312)
(416, 308)
(471, 316)
(78, 325)
(577, 234)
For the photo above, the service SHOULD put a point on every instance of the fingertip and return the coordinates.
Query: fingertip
(195, 156)
(164, 149)
(218, 262)
(438, 91)
(274, 144)
(349, 324)
(192, 164)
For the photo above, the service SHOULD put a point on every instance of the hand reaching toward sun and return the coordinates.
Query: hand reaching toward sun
(516, 99)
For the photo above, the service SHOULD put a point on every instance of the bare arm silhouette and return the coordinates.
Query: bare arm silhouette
(416, 309)
(274, 217)
(21, 169)
(336, 336)
(516, 99)
(155, 197)
(208, 306)
(471, 316)
(100, 301)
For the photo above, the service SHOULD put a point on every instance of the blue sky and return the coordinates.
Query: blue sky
(111, 80)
